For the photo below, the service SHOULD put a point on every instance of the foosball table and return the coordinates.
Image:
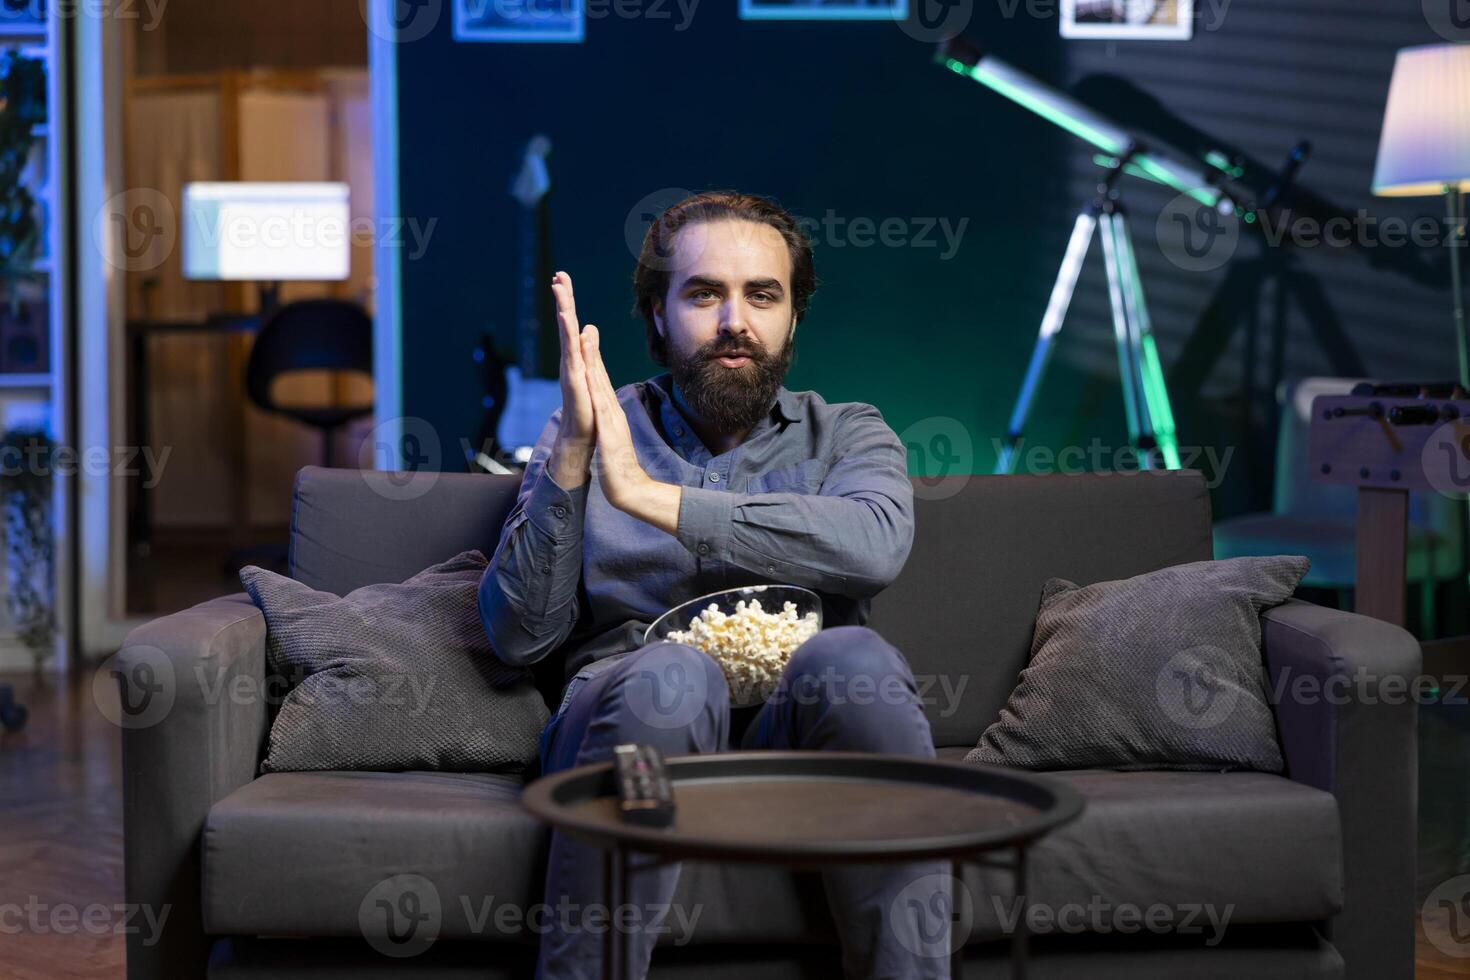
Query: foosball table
(1386, 440)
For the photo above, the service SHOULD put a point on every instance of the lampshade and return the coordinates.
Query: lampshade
(1425, 143)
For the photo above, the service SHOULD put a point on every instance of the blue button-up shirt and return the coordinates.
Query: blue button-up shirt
(817, 495)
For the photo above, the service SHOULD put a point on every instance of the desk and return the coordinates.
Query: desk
(232, 382)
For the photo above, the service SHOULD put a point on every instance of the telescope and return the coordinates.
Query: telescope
(1120, 148)
(1149, 414)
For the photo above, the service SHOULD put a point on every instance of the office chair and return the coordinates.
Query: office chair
(1318, 519)
(312, 334)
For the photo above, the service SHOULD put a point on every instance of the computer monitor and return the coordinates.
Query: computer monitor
(266, 231)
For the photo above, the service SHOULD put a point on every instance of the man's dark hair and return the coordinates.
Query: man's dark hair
(651, 277)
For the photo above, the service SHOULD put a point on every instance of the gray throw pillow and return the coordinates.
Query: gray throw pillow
(393, 677)
(1160, 671)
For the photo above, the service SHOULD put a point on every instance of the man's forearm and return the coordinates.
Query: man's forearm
(847, 545)
(654, 503)
(528, 596)
(570, 463)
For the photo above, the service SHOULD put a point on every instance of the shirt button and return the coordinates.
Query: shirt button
(770, 568)
(559, 510)
(703, 548)
(714, 478)
(678, 431)
(546, 569)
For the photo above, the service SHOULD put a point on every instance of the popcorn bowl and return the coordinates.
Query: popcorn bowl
(747, 646)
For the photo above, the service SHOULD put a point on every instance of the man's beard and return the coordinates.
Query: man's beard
(730, 400)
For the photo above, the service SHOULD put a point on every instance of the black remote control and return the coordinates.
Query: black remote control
(644, 794)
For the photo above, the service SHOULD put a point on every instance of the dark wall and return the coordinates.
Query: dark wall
(850, 118)
(855, 119)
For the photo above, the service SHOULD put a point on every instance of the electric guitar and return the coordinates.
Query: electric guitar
(531, 395)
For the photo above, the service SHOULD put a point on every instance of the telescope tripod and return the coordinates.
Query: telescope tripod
(1145, 397)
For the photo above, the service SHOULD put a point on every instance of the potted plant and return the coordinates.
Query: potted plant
(30, 560)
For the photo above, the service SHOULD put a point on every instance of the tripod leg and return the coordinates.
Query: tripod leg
(1051, 322)
(1146, 352)
(1120, 297)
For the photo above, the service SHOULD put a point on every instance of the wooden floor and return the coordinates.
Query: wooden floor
(61, 839)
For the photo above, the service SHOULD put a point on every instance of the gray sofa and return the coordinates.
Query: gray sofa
(265, 875)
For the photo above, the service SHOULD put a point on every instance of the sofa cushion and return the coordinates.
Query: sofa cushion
(306, 854)
(297, 853)
(416, 519)
(1274, 952)
(1257, 846)
(394, 676)
(1158, 671)
(963, 610)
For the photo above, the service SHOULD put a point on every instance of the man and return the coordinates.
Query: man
(710, 476)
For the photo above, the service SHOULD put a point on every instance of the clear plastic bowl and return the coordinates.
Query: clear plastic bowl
(773, 599)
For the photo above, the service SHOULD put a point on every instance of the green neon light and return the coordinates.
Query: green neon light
(1157, 396)
(1204, 195)
(1222, 163)
(1146, 166)
(1109, 163)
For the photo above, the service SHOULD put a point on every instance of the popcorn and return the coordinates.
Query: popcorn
(751, 645)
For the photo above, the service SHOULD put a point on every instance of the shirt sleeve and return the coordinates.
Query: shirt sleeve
(528, 594)
(850, 538)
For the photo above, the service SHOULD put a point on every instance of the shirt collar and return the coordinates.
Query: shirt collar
(786, 405)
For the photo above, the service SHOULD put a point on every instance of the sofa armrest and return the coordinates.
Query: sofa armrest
(194, 723)
(1344, 688)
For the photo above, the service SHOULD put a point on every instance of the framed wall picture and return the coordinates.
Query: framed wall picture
(515, 21)
(824, 10)
(1143, 20)
(22, 18)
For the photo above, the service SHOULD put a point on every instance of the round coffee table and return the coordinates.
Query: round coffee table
(811, 810)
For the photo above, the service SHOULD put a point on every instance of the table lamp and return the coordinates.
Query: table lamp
(1425, 147)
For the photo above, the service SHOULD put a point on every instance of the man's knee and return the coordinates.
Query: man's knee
(666, 688)
(850, 689)
(844, 653)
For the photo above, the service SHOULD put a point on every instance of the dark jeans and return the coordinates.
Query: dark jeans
(846, 689)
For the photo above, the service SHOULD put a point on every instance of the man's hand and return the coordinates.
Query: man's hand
(624, 482)
(571, 454)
